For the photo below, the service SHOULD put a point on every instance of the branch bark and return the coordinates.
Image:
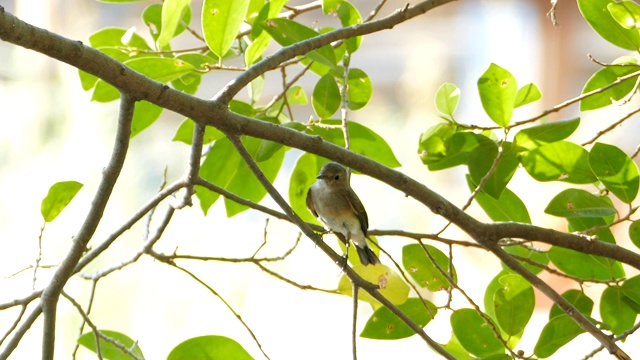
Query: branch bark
(215, 113)
(51, 294)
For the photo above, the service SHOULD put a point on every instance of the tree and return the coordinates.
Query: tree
(237, 150)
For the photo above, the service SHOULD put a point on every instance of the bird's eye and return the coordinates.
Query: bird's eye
(337, 177)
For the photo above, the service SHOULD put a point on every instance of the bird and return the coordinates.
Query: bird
(332, 201)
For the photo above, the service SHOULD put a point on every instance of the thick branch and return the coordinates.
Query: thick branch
(204, 112)
(49, 299)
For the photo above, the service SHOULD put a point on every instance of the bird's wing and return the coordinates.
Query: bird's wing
(310, 204)
(358, 209)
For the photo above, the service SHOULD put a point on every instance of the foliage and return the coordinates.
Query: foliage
(600, 178)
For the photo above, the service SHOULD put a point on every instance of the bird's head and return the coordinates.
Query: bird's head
(333, 174)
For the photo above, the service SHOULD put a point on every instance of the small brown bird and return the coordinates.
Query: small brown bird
(336, 205)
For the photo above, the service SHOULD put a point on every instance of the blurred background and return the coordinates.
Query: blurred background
(51, 131)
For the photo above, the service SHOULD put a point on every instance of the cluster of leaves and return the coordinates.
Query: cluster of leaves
(241, 30)
(546, 155)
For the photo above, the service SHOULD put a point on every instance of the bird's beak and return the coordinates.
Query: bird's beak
(321, 176)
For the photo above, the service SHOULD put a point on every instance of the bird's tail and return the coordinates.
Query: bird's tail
(367, 256)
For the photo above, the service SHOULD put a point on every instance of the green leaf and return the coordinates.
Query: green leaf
(605, 77)
(598, 16)
(615, 311)
(507, 207)
(359, 89)
(104, 92)
(255, 88)
(288, 32)
(364, 141)
(349, 16)
(224, 167)
(626, 13)
(513, 303)
(634, 233)
(536, 136)
(631, 289)
(109, 350)
(254, 9)
(385, 325)
(617, 171)
(447, 98)
(296, 96)
(536, 256)
(559, 161)
(144, 115)
(256, 48)
(555, 334)
(481, 160)
(59, 196)
(417, 263)
(579, 203)
(474, 334)
(112, 37)
(454, 348)
(199, 61)
(578, 299)
(269, 10)
(221, 21)
(392, 286)
(527, 94)
(441, 146)
(109, 41)
(185, 133)
(497, 88)
(209, 347)
(577, 224)
(585, 266)
(172, 12)
(326, 97)
(161, 69)
(187, 83)
(493, 286)
(303, 176)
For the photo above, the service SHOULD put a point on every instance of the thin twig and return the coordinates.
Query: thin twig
(92, 294)
(375, 10)
(293, 283)
(288, 85)
(611, 127)
(99, 334)
(354, 334)
(15, 323)
(620, 337)
(216, 294)
(484, 179)
(454, 285)
(145, 248)
(39, 258)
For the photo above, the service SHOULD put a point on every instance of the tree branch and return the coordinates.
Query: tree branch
(567, 307)
(337, 259)
(51, 293)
